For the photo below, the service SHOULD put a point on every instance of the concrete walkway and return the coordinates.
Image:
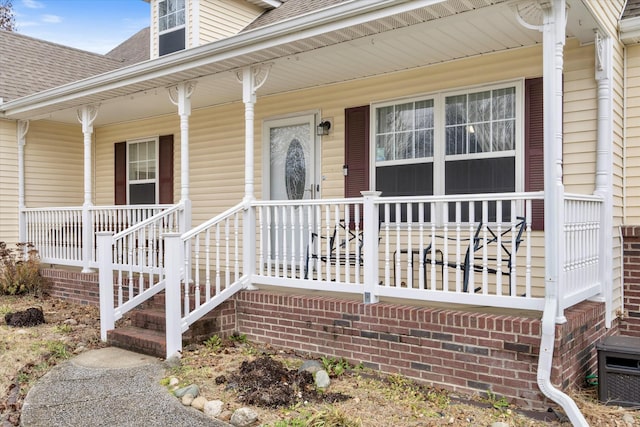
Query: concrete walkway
(107, 387)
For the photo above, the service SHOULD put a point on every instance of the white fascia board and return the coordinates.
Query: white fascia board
(267, 4)
(630, 29)
(343, 15)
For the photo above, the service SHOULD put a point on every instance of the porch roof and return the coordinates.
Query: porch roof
(346, 41)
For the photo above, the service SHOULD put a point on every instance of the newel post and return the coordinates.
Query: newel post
(174, 257)
(105, 279)
(370, 246)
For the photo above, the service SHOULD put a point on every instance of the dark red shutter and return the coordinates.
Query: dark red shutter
(534, 147)
(356, 152)
(120, 173)
(165, 172)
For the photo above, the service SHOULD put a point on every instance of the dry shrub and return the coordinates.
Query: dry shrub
(20, 270)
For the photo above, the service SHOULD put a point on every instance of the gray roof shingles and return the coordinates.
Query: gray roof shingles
(290, 9)
(133, 50)
(631, 9)
(29, 65)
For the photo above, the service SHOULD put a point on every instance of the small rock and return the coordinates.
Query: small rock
(629, 419)
(70, 322)
(213, 408)
(199, 403)
(312, 366)
(173, 381)
(192, 389)
(499, 424)
(79, 349)
(322, 379)
(187, 399)
(243, 417)
(225, 416)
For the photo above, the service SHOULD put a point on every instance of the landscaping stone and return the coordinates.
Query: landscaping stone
(322, 379)
(312, 366)
(199, 403)
(213, 408)
(187, 399)
(192, 389)
(243, 417)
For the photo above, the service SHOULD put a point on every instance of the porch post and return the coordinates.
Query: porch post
(86, 116)
(180, 95)
(604, 72)
(370, 248)
(553, 57)
(23, 128)
(252, 78)
(172, 293)
(105, 281)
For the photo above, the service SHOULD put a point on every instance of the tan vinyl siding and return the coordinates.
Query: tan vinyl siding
(8, 182)
(106, 137)
(632, 149)
(54, 159)
(223, 18)
(607, 12)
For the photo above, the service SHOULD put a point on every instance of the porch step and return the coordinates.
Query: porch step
(139, 340)
(146, 333)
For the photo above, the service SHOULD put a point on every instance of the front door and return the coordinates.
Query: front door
(292, 176)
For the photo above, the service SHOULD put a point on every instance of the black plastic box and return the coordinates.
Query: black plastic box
(619, 370)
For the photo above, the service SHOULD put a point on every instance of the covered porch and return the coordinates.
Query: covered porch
(477, 248)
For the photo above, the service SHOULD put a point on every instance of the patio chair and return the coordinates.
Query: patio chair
(336, 255)
(477, 244)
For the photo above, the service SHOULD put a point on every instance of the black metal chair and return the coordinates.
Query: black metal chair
(477, 243)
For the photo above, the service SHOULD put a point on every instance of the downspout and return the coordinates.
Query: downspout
(554, 33)
(23, 128)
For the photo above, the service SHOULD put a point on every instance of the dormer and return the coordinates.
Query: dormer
(182, 24)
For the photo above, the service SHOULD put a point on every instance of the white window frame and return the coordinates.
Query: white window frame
(439, 149)
(175, 27)
(156, 180)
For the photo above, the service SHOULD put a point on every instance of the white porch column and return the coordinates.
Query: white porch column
(86, 116)
(252, 78)
(180, 96)
(23, 128)
(553, 62)
(604, 164)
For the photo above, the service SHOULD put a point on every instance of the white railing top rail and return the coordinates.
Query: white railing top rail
(307, 202)
(127, 207)
(142, 224)
(583, 197)
(490, 197)
(216, 219)
(54, 209)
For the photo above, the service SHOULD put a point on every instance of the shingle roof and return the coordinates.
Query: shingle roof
(290, 9)
(632, 9)
(133, 50)
(29, 65)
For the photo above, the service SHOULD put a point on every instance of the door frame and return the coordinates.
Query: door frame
(312, 117)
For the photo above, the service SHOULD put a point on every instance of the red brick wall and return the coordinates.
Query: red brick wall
(461, 351)
(80, 288)
(630, 325)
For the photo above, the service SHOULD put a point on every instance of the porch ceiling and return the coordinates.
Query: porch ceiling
(354, 47)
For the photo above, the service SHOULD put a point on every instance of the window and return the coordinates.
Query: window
(171, 14)
(461, 142)
(142, 167)
(144, 171)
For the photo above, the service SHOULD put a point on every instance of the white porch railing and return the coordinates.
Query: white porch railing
(206, 270)
(132, 263)
(473, 249)
(57, 232)
(581, 246)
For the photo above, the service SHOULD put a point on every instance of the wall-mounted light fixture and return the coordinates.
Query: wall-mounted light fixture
(323, 128)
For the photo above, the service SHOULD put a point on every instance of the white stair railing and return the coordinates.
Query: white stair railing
(205, 270)
(132, 264)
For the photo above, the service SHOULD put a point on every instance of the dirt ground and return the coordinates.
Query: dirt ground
(241, 373)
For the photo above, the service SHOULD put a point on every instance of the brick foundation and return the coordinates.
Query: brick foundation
(630, 325)
(80, 288)
(462, 351)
